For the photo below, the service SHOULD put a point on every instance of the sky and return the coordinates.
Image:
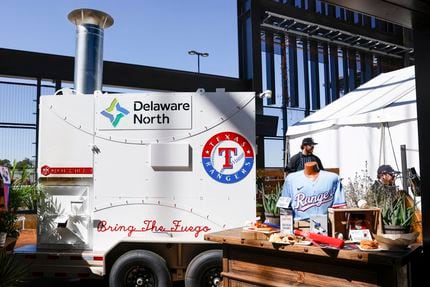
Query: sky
(157, 33)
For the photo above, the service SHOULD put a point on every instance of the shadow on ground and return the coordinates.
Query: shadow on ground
(46, 282)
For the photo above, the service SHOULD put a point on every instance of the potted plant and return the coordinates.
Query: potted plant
(8, 226)
(396, 217)
(3, 230)
(25, 195)
(270, 199)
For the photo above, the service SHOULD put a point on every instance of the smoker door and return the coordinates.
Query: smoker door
(64, 219)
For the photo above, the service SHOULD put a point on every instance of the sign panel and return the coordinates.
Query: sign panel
(144, 112)
(47, 170)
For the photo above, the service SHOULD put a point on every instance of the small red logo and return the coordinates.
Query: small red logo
(46, 170)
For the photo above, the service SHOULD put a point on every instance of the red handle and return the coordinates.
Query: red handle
(319, 238)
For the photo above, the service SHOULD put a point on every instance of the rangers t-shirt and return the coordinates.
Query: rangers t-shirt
(311, 197)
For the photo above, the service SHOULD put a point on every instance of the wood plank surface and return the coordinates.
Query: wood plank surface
(251, 262)
(233, 237)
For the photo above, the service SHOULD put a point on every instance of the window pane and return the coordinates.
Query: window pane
(273, 153)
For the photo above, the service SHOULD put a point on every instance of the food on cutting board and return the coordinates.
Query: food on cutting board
(285, 238)
(258, 226)
(369, 244)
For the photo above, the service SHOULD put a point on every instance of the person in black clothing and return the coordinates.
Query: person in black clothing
(297, 162)
(386, 175)
(383, 192)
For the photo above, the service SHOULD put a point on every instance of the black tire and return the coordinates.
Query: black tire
(139, 268)
(205, 270)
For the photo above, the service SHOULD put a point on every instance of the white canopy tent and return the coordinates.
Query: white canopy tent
(366, 127)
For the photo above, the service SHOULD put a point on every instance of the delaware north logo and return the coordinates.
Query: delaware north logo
(115, 112)
(227, 157)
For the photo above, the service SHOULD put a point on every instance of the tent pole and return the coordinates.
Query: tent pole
(404, 167)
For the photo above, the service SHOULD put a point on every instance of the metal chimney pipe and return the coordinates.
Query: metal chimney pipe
(89, 48)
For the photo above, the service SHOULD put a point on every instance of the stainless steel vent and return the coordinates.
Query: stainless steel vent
(90, 25)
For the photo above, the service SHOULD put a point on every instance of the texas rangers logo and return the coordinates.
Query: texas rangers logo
(227, 157)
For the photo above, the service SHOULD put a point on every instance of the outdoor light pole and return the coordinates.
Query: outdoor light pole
(192, 52)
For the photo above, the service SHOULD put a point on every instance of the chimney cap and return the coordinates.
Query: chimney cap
(90, 16)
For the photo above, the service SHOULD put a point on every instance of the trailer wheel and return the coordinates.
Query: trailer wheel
(139, 268)
(205, 270)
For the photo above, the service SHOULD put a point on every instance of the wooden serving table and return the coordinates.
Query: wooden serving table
(254, 262)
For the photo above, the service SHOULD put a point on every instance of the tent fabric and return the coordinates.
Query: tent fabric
(389, 97)
(365, 128)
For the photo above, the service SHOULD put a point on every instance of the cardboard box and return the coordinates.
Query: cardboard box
(341, 220)
(286, 218)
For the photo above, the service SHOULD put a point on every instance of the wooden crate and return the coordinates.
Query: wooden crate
(340, 220)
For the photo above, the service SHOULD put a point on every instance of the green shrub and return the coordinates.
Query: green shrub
(270, 199)
(8, 224)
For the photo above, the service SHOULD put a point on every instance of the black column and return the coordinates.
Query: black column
(326, 74)
(38, 94)
(352, 69)
(422, 80)
(306, 77)
(334, 72)
(250, 57)
(292, 63)
(315, 78)
(284, 75)
(345, 71)
(270, 66)
(368, 64)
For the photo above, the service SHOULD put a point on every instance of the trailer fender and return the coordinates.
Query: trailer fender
(205, 269)
(139, 268)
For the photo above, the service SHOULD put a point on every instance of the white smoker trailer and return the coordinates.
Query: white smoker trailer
(136, 180)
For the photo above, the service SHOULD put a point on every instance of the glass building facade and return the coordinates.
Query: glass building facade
(310, 53)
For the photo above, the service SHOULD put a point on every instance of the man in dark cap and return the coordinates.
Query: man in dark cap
(384, 192)
(297, 162)
(387, 175)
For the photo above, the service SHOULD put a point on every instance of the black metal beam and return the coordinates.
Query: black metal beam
(368, 60)
(313, 17)
(362, 56)
(284, 77)
(334, 73)
(250, 57)
(399, 12)
(345, 71)
(352, 69)
(306, 77)
(293, 74)
(326, 73)
(315, 78)
(36, 148)
(422, 76)
(270, 67)
(55, 67)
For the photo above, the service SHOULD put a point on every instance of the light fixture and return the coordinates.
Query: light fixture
(199, 54)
